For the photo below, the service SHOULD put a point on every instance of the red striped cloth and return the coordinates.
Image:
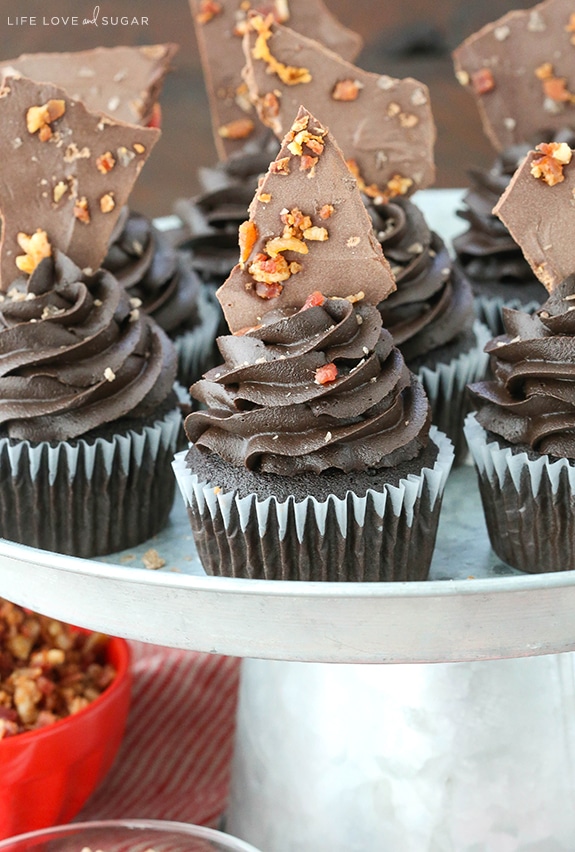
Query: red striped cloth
(174, 761)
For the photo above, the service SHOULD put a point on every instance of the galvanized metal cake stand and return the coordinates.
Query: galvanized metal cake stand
(460, 735)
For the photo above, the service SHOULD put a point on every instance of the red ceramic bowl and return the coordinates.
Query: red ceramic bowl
(48, 774)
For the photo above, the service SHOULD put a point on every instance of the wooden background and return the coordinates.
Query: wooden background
(412, 38)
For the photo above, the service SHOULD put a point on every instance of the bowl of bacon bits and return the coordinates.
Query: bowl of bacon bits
(64, 700)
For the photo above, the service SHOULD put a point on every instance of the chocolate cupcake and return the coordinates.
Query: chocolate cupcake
(514, 68)
(522, 435)
(88, 416)
(165, 285)
(430, 316)
(313, 458)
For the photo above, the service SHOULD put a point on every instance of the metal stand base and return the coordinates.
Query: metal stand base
(452, 757)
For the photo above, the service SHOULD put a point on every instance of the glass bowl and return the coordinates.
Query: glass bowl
(137, 835)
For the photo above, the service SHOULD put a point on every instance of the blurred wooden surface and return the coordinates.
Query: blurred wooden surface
(401, 39)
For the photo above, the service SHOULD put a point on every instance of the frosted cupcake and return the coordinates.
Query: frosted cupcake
(519, 69)
(522, 436)
(88, 417)
(314, 458)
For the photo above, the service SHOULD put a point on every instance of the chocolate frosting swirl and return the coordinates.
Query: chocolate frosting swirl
(75, 354)
(213, 217)
(531, 401)
(487, 251)
(266, 410)
(150, 269)
(433, 303)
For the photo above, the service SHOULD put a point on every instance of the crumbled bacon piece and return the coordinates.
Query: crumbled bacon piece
(291, 75)
(280, 167)
(346, 90)
(483, 81)
(105, 162)
(326, 374)
(40, 118)
(248, 234)
(81, 211)
(549, 167)
(314, 300)
(208, 10)
(269, 270)
(268, 290)
(307, 162)
(238, 129)
(326, 211)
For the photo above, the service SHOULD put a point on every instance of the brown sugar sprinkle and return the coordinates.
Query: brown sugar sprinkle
(238, 129)
(40, 118)
(105, 162)
(36, 248)
(288, 74)
(346, 90)
(549, 167)
(208, 10)
(482, 81)
(48, 670)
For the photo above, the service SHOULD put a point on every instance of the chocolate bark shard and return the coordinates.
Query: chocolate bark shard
(308, 231)
(521, 70)
(124, 82)
(383, 125)
(220, 25)
(541, 217)
(73, 184)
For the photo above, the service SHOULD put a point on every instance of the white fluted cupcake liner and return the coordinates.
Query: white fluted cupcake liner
(382, 536)
(446, 388)
(489, 311)
(529, 504)
(196, 349)
(89, 498)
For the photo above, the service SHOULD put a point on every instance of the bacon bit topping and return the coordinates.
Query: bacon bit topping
(554, 88)
(247, 234)
(269, 106)
(288, 74)
(268, 290)
(307, 163)
(264, 197)
(81, 211)
(107, 203)
(35, 247)
(106, 162)
(278, 244)
(326, 374)
(238, 129)
(570, 28)
(315, 233)
(346, 90)
(280, 167)
(59, 190)
(208, 10)
(482, 81)
(549, 167)
(269, 270)
(314, 300)
(326, 211)
(39, 118)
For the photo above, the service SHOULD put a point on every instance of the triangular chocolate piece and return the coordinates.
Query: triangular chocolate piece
(538, 208)
(521, 70)
(63, 170)
(220, 25)
(123, 82)
(384, 126)
(308, 231)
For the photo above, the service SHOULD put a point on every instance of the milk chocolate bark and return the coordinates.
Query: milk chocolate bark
(124, 82)
(308, 231)
(384, 126)
(538, 208)
(220, 25)
(64, 171)
(521, 70)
